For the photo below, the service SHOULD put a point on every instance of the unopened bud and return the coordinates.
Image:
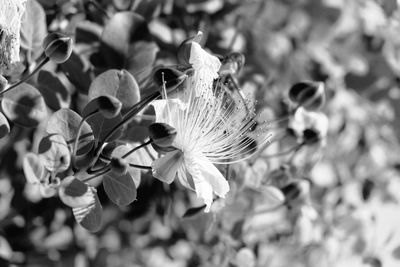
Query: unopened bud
(296, 192)
(109, 106)
(119, 165)
(184, 50)
(57, 47)
(169, 77)
(162, 134)
(310, 95)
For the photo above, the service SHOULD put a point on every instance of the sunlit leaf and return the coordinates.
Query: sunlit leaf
(140, 60)
(74, 193)
(66, 122)
(54, 153)
(120, 189)
(24, 105)
(90, 216)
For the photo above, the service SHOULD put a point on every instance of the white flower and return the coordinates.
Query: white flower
(211, 129)
(11, 12)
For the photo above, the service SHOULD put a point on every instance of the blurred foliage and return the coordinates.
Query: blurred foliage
(341, 191)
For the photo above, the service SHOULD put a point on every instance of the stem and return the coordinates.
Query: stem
(38, 67)
(100, 8)
(75, 147)
(96, 175)
(128, 116)
(90, 171)
(140, 166)
(136, 148)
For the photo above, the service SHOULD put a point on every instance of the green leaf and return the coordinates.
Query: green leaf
(120, 189)
(54, 153)
(55, 94)
(120, 151)
(123, 29)
(78, 71)
(24, 105)
(4, 126)
(33, 168)
(100, 125)
(74, 193)
(118, 83)
(90, 216)
(140, 60)
(66, 122)
(33, 29)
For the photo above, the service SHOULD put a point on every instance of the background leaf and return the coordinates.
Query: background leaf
(54, 92)
(24, 105)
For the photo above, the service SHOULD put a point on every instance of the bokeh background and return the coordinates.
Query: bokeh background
(350, 216)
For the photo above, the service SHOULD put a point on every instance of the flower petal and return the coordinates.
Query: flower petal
(207, 179)
(166, 167)
(213, 176)
(167, 109)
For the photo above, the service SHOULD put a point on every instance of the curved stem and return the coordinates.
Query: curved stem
(140, 166)
(136, 148)
(38, 67)
(96, 175)
(128, 116)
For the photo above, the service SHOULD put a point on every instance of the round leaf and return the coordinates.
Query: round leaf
(118, 83)
(4, 126)
(140, 60)
(120, 189)
(54, 153)
(90, 216)
(66, 122)
(24, 105)
(75, 193)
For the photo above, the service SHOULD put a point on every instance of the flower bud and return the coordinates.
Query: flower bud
(57, 47)
(310, 95)
(109, 106)
(184, 50)
(169, 77)
(119, 165)
(3, 83)
(296, 191)
(162, 134)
